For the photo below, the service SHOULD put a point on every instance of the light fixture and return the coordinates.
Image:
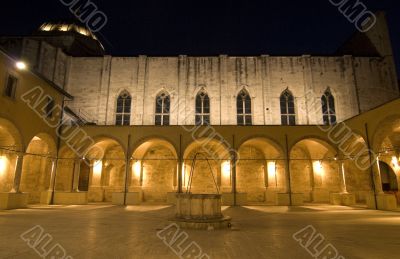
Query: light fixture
(271, 169)
(137, 168)
(226, 169)
(20, 65)
(97, 167)
(318, 167)
(3, 165)
(395, 162)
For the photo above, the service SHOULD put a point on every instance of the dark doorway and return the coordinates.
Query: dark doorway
(84, 177)
(388, 177)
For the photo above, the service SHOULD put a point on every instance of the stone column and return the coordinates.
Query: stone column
(52, 175)
(77, 172)
(377, 178)
(342, 175)
(312, 177)
(18, 174)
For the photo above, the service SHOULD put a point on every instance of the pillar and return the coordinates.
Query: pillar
(77, 172)
(18, 174)
(377, 178)
(342, 175)
(52, 175)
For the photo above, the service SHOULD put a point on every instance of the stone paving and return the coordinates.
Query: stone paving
(106, 231)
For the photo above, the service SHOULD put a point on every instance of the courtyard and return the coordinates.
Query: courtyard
(107, 231)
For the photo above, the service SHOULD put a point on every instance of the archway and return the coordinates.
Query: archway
(209, 162)
(314, 170)
(388, 178)
(106, 163)
(354, 155)
(154, 170)
(37, 166)
(260, 170)
(10, 145)
(386, 142)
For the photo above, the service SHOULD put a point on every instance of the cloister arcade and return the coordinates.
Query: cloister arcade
(157, 166)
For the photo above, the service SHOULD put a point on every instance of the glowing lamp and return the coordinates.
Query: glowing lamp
(97, 167)
(226, 169)
(395, 162)
(271, 169)
(3, 165)
(137, 168)
(20, 65)
(318, 167)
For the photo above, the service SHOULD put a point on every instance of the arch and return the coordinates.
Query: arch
(328, 108)
(211, 147)
(209, 162)
(388, 127)
(104, 159)
(162, 109)
(260, 170)
(314, 169)
(244, 108)
(287, 105)
(11, 143)
(202, 108)
(123, 109)
(37, 166)
(10, 135)
(154, 169)
(142, 146)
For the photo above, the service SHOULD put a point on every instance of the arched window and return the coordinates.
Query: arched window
(243, 105)
(328, 108)
(288, 114)
(202, 109)
(163, 102)
(123, 114)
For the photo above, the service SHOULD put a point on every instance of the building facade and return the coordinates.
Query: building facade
(259, 130)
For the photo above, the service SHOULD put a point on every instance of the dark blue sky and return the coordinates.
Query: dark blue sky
(204, 27)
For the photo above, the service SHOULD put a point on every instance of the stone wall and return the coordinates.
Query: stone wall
(355, 83)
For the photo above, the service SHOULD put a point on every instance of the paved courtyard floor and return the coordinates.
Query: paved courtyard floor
(106, 231)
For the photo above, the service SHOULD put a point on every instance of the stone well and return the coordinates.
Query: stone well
(200, 211)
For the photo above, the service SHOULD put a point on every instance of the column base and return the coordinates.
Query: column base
(10, 201)
(343, 199)
(228, 199)
(283, 199)
(320, 196)
(384, 201)
(70, 198)
(96, 194)
(132, 198)
(45, 197)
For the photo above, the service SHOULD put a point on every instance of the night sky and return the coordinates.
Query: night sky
(253, 27)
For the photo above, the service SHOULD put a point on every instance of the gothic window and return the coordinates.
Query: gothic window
(124, 104)
(288, 115)
(163, 102)
(202, 109)
(328, 108)
(243, 105)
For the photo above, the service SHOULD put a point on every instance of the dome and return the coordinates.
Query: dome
(64, 26)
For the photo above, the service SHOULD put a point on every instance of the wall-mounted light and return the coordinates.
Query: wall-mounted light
(318, 169)
(395, 162)
(97, 167)
(226, 169)
(20, 65)
(137, 166)
(3, 165)
(271, 169)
